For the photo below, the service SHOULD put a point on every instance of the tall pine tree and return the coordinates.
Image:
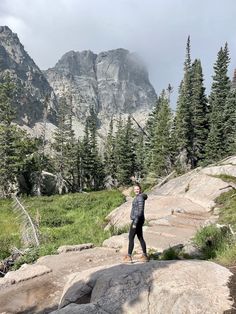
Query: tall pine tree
(125, 152)
(65, 148)
(219, 91)
(229, 118)
(184, 128)
(200, 114)
(9, 150)
(161, 153)
(109, 153)
(92, 165)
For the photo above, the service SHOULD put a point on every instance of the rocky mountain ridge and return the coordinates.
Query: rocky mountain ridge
(34, 94)
(113, 82)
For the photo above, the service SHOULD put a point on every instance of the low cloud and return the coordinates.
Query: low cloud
(156, 29)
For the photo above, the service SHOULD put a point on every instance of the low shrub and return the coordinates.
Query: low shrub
(170, 254)
(7, 242)
(212, 240)
(28, 258)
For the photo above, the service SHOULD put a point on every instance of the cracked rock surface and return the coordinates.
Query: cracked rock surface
(154, 287)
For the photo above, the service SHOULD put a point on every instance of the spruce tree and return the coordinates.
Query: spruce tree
(161, 153)
(140, 152)
(9, 141)
(109, 153)
(184, 128)
(65, 148)
(92, 165)
(229, 117)
(150, 130)
(125, 152)
(200, 114)
(215, 147)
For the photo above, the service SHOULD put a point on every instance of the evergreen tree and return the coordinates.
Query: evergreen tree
(92, 166)
(140, 152)
(9, 148)
(65, 148)
(161, 154)
(150, 130)
(219, 92)
(109, 153)
(184, 128)
(229, 118)
(200, 114)
(125, 152)
(15, 145)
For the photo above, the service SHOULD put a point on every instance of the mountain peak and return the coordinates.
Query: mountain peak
(6, 32)
(34, 88)
(5, 29)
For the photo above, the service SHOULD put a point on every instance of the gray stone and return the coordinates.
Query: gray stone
(82, 309)
(24, 273)
(192, 250)
(154, 287)
(117, 241)
(74, 248)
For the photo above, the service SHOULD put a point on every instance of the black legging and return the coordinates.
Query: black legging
(139, 231)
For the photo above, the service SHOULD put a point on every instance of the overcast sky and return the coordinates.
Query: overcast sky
(156, 29)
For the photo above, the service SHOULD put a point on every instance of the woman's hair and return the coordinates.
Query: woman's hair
(137, 184)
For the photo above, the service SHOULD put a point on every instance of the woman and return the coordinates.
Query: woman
(136, 227)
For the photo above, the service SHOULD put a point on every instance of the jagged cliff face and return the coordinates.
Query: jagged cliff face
(33, 87)
(114, 82)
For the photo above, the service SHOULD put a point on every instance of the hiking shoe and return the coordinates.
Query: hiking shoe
(127, 259)
(144, 258)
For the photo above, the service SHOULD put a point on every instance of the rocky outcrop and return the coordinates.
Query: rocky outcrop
(175, 210)
(154, 287)
(32, 86)
(113, 82)
(192, 193)
(24, 273)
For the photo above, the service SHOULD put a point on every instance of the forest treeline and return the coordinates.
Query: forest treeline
(201, 131)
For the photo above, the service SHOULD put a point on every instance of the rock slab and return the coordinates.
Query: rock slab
(156, 287)
(24, 273)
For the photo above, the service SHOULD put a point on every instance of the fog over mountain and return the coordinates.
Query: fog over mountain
(156, 30)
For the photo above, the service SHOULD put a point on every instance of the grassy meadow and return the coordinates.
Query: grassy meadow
(63, 219)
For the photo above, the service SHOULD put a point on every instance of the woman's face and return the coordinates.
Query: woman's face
(137, 190)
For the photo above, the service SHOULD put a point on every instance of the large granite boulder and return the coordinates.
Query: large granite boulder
(154, 287)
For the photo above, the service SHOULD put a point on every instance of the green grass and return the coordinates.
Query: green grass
(9, 229)
(212, 241)
(226, 178)
(68, 219)
(220, 245)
